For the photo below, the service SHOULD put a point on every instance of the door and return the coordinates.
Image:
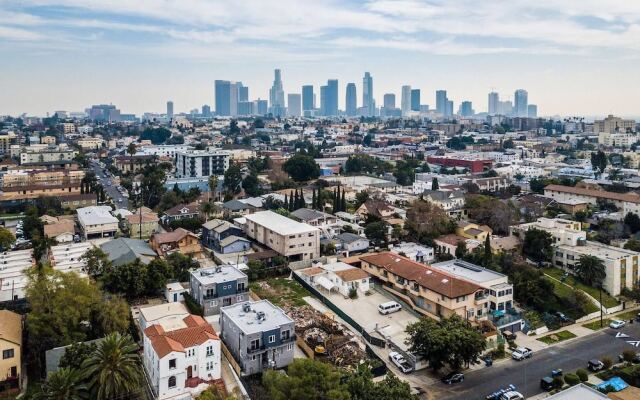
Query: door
(189, 372)
(226, 302)
(175, 297)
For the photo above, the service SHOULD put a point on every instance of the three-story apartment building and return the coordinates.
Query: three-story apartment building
(219, 286)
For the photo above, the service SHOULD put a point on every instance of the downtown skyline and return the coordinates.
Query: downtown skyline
(573, 58)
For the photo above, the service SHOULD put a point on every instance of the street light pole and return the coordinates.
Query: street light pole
(600, 290)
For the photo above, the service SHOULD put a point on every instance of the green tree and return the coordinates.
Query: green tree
(97, 262)
(131, 149)
(451, 341)
(434, 184)
(591, 270)
(301, 167)
(156, 135)
(426, 221)
(632, 222)
(537, 245)
(632, 244)
(251, 185)
(75, 355)
(461, 249)
(213, 186)
(63, 384)
(6, 238)
(233, 179)
(129, 280)
(376, 232)
(487, 254)
(305, 380)
(113, 370)
(361, 386)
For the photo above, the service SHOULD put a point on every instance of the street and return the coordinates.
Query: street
(525, 375)
(118, 199)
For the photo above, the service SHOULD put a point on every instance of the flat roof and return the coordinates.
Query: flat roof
(279, 223)
(600, 250)
(468, 271)
(95, 215)
(172, 312)
(248, 321)
(581, 391)
(218, 274)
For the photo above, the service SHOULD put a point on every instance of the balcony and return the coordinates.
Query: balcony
(502, 318)
(251, 350)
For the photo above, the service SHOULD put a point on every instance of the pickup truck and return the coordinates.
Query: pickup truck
(521, 353)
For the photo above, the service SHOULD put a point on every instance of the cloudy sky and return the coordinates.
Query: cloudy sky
(575, 57)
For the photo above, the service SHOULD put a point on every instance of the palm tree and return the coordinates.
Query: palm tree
(591, 270)
(113, 370)
(213, 186)
(207, 208)
(64, 384)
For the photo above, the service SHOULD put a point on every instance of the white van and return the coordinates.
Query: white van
(389, 307)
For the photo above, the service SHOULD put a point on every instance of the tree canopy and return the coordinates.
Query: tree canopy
(301, 167)
(305, 380)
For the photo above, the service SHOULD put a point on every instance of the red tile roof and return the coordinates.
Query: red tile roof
(629, 197)
(424, 275)
(196, 333)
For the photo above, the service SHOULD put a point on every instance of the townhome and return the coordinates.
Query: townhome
(180, 241)
(292, 239)
(217, 231)
(181, 357)
(337, 276)
(11, 348)
(218, 287)
(97, 221)
(259, 335)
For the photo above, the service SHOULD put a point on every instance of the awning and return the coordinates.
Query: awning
(325, 283)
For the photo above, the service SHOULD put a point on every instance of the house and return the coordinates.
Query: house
(180, 240)
(447, 200)
(236, 207)
(337, 276)
(219, 286)
(470, 230)
(234, 244)
(62, 231)
(181, 357)
(414, 251)
(349, 243)
(124, 251)
(11, 347)
(216, 230)
(377, 208)
(313, 217)
(97, 221)
(292, 239)
(142, 225)
(151, 315)
(259, 335)
(181, 211)
(447, 244)
(173, 291)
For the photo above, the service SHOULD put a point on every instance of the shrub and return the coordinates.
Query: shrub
(608, 362)
(558, 382)
(583, 375)
(353, 293)
(192, 305)
(628, 355)
(571, 379)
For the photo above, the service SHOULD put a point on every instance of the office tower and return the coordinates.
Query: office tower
(331, 97)
(276, 96)
(246, 108)
(261, 107)
(494, 103)
(405, 100)
(415, 99)
(505, 107)
(226, 96)
(206, 111)
(367, 94)
(323, 100)
(243, 92)
(532, 111)
(294, 105)
(105, 112)
(521, 101)
(169, 109)
(449, 109)
(441, 102)
(466, 109)
(389, 100)
(424, 108)
(351, 100)
(307, 98)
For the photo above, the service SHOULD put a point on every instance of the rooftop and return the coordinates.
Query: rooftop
(218, 274)
(246, 318)
(279, 223)
(95, 215)
(600, 250)
(468, 271)
(629, 197)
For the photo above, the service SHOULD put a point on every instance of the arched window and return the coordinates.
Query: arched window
(172, 381)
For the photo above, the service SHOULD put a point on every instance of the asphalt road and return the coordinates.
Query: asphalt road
(525, 375)
(119, 200)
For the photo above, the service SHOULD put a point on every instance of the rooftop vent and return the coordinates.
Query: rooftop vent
(445, 280)
(246, 307)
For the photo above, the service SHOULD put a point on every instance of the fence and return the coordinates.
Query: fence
(232, 361)
(371, 339)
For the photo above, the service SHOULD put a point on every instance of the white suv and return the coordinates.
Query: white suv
(521, 353)
(400, 362)
(513, 395)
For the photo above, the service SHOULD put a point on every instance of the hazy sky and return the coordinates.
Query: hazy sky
(575, 57)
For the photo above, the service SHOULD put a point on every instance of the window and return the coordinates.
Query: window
(7, 354)
(255, 344)
(272, 338)
(209, 365)
(172, 364)
(172, 381)
(289, 347)
(285, 335)
(209, 351)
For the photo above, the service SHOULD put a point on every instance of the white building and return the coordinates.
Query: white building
(414, 251)
(13, 266)
(97, 221)
(201, 163)
(163, 150)
(337, 276)
(68, 257)
(564, 231)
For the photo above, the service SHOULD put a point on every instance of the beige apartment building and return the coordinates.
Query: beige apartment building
(292, 239)
(11, 348)
(613, 124)
(90, 143)
(626, 202)
(38, 155)
(16, 178)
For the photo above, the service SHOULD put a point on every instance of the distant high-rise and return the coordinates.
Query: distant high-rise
(262, 107)
(415, 99)
(330, 98)
(449, 109)
(405, 100)
(505, 107)
(441, 102)
(532, 111)
(494, 103)
(276, 95)
(243, 92)
(246, 108)
(307, 98)
(389, 100)
(294, 105)
(226, 96)
(206, 111)
(169, 109)
(323, 99)
(521, 103)
(351, 100)
(367, 94)
(466, 109)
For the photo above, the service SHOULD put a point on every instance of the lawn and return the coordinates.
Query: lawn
(607, 300)
(595, 325)
(627, 315)
(563, 291)
(280, 291)
(557, 337)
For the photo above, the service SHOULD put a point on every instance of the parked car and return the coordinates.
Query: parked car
(497, 394)
(513, 395)
(616, 324)
(635, 359)
(509, 336)
(453, 377)
(562, 317)
(400, 362)
(546, 383)
(595, 365)
(389, 307)
(521, 353)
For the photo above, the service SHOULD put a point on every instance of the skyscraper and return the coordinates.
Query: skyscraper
(389, 100)
(206, 111)
(276, 95)
(169, 109)
(449, 109)
(521, 103)
(405, 100)
(505, 107)
(243, 92)
(332, 97)
(532, 111)
(307, 98)
(441, 102)
(494, 102)
(415, 99)
(294, 105)
(323, 100)
(466, 109)
(226, 96)
(351, 100)
(367, 94)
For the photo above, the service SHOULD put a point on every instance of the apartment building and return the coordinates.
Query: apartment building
(49, 154)
(90, 143)
(428, 290)
(259, 335)
(292, 239)
(131, 164)
(613, 124)
(142, 225)
(68, 257)
(201, 163)
(97, 221)
(35, 191)
(163, 150)
(181, 356)
(21, 177)
(626, 202)
(564, 231)
(11, 348)
(218, 286)
(13, 279)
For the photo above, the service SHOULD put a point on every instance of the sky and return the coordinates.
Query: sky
(574, 57)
